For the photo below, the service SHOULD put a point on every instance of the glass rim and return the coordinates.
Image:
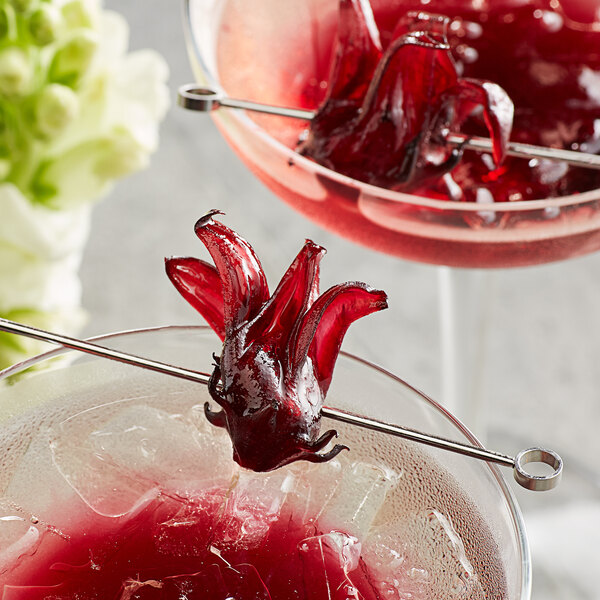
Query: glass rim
(380, 193)
(514, 509)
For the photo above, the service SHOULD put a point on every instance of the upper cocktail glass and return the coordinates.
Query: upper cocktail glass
(525, 212)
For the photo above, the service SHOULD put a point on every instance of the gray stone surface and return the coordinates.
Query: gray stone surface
(541, 374)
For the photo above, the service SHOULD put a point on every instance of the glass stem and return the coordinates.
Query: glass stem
(465, 297)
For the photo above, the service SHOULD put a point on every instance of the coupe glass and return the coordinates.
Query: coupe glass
(267, 54)
(85, 436)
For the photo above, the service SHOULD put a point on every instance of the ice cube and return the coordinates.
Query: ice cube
(122, 453)
(19, 536)
(214, 441)
(327, 561)
(163, 447)
(35, 486)
(254, 502)
(190, 532)
(107, 488)
(396, 573)
(314, 485)
(457, 573)
(357, 498)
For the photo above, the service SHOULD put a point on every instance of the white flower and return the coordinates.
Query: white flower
(38, 231)
(40, 252)
(122, 99)
(88, 117)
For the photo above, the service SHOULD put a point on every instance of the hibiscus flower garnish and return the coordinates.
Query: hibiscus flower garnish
(387, 109)
(278, 351)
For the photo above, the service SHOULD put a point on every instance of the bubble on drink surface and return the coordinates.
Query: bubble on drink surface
(420, 554)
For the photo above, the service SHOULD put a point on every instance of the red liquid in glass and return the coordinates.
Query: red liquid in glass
(173, 548)
(543, 54)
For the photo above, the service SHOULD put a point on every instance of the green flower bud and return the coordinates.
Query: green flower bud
(15, 71)
(44, 23)
(5, 167)
(5, 21)
(125, 155)
(21, 5)
(54, 109)
(72, 61)
(86, 171)
(77, 15)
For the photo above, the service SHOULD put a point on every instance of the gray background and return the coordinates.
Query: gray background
(540, 378)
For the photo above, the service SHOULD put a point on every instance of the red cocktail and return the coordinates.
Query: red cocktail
(543, 56)
(113, 485)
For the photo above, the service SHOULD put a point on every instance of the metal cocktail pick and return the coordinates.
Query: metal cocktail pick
(200, 99)
(521, 475)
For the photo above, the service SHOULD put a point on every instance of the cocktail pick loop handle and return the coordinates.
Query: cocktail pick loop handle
(202, 99)
(518, 464)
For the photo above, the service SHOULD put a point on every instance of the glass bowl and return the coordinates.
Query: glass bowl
(266, 55)
(86, 443)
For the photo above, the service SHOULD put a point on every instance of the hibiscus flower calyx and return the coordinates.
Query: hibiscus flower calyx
(279, 350)
(388, 108)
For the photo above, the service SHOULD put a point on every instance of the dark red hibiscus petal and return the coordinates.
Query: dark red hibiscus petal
(393, 138)
(498, 111)
(323, 327)
(243, 281)
(380, 143)
(297, 290)
(357, 51)
(415, 69)
(399, 111)
(200, 284)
